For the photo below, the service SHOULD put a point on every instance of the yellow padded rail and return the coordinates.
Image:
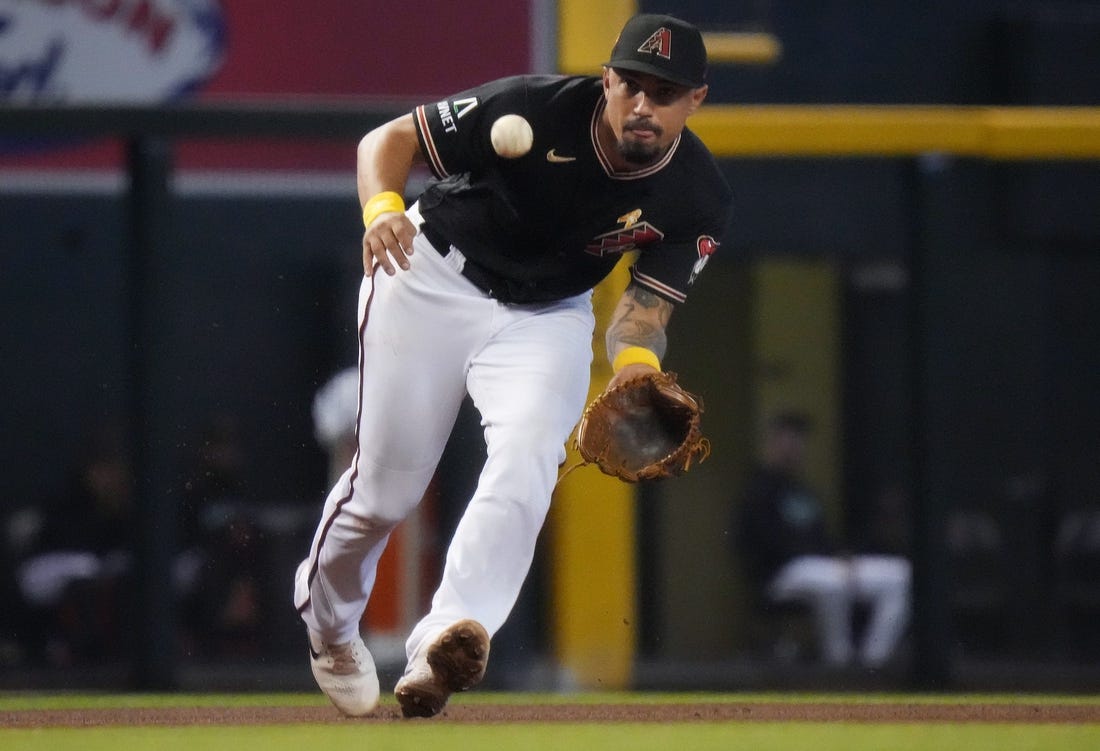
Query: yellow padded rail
(855, 130)
(742, 47)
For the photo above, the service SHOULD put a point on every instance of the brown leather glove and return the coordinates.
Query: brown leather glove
(643, 428)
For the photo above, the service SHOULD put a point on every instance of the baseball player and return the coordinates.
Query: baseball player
(483, 286)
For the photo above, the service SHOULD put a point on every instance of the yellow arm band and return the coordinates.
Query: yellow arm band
(380, 204)
(631, 355)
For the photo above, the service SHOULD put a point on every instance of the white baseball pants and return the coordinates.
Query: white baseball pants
(833, 585)
(427, 336)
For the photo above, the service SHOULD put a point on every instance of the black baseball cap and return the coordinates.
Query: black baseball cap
(662, 46)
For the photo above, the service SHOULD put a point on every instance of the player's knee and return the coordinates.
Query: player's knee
(374, 524)
(535, 436)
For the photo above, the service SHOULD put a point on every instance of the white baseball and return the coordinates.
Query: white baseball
(511, 136)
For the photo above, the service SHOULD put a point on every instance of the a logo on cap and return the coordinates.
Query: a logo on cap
(659, 43)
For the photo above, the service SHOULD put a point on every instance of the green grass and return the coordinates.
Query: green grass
(536, 737)
(421, 735)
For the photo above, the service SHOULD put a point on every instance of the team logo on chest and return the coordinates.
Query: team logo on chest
(628, 237)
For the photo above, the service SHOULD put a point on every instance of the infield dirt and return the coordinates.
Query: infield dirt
(891, 712)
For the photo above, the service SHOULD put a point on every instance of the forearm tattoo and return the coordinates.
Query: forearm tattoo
(639, 320)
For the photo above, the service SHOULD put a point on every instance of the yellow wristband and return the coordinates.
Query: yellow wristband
(380, 204)
(631, 355)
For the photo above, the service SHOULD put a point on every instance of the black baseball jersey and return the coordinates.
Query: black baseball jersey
(554, 222)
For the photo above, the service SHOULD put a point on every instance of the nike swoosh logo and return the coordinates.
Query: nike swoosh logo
(555, 159)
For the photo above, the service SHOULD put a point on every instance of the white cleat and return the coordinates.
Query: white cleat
(346, 673)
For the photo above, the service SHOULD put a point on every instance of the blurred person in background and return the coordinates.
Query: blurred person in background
(219, 571)
(335, 407)
(77, 556)
(790, 554)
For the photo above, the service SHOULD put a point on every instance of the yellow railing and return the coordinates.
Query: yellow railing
(898, 131)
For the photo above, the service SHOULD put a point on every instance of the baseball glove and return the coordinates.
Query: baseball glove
(645, 428)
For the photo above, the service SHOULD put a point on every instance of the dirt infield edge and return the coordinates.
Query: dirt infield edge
(898, 712)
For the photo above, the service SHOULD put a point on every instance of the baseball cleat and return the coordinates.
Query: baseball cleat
(346, 673)
(455, 661)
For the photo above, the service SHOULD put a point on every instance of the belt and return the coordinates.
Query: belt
(483, 280)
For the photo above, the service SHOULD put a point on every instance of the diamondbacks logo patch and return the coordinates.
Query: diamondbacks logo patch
(659, 43)
(706, 246)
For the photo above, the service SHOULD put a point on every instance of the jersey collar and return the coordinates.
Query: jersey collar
(625, 174)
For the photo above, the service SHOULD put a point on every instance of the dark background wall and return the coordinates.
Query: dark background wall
(254, 311)
(982, 52)
(1008, 357)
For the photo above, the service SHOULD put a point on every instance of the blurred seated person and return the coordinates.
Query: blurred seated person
(220, 572)
(72, 578)
(335, 408)
(789, 553)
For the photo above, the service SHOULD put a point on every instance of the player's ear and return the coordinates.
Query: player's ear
(697, 97)
(606, 79)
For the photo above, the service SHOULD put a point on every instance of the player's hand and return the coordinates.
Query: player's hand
(388, 240)
(632, 370)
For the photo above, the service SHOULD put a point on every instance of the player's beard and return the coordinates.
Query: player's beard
(638, 152)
